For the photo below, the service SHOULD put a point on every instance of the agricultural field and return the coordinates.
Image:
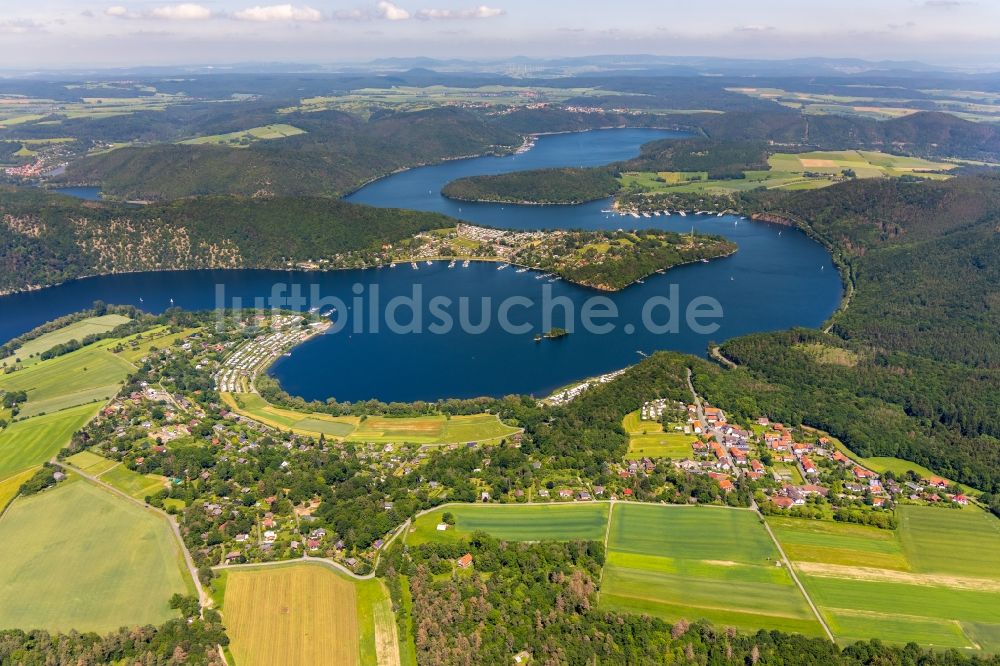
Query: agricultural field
(29, 443)
(76, 331)
(307, 614)
(647, 439)
(971, 105)
(10, 486)
(692, 562)
(78, 557)
(411, 98)
(245, 138)
(378, 429)
(933, 581)
(87, 375)
(431, 429)
(798, 171)
(513, 522)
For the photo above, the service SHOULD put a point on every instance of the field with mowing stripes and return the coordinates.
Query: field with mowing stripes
(692, 562)
(307, 614)
(78, 557)
(934, 581)
(512, 522)
(75, 331)
(133, 484)
(648, 439)
(91, 463)
(86, 375)
(431, 429)
(31, 442)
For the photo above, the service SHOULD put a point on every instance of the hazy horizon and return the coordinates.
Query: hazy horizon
(60, 34)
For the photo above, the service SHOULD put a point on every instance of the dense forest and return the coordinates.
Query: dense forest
(52, 238)
(191, 640)
(546, 186)
(337, 153)
(915, 365)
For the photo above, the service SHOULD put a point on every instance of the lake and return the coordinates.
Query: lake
(778, 279)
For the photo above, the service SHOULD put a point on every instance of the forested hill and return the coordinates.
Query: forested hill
(548, 186)
(911, 368)
(47, 238)
(336, 153)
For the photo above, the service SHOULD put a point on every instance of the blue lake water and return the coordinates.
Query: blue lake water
(87, 193)
(778, 279)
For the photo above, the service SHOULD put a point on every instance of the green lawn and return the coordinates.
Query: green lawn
(91, 463)
(132, 483)
(698, 562)
(513, 522)
(29, 443)
(647, 439)
(76, 331)
(431, 429)
(77, 557)
(86, 375)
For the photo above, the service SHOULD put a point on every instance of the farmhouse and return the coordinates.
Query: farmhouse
(465, 561)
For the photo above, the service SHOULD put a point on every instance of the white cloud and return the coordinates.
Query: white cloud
(754, 28)
(186, 11)
(480, 12)
(116, 11)
(391, 12)
(20, 27)
(278, 13)
(351, 15)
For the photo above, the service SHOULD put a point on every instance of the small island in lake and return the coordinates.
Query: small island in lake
(542, 186)
(554, 334)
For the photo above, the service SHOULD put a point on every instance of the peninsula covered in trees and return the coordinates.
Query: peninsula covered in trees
(546, 186)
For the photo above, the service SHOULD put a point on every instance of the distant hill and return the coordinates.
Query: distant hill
(47, 238)
(337, 154)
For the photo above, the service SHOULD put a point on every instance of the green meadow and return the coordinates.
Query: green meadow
(514, 522)
(697, 562)
(77, 557)
(133, 484)
(28, 443)
(431, 430)
(935, 580)
(647, 439)
(87, 375)
(792, 171)
(246, 137)
(75, 331)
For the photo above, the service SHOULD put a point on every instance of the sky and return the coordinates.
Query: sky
(85, 33)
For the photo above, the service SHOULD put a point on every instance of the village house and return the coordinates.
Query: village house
(465, 561)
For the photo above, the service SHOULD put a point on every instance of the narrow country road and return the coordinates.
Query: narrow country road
(791, 571)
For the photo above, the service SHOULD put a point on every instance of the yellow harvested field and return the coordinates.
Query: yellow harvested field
(297, 614)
